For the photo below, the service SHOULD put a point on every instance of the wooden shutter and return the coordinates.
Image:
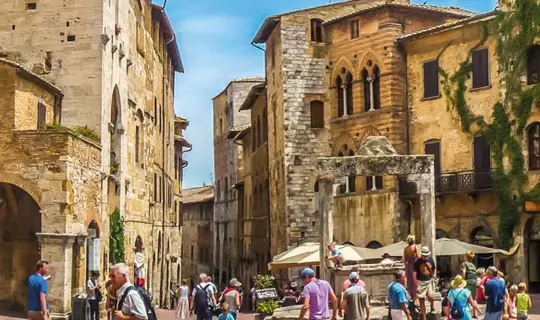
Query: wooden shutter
(480, 68)
(367, 94)
(352, 183)
(431, 79)
(42, 116)
(355, 30)
(482, 155)
(316, 30)
(317, 114)
(434, 148)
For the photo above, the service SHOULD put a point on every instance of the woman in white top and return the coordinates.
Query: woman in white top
(182, 307)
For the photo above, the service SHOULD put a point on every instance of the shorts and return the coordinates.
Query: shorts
(472, 288)
(426, 288)
(522, 316)
(493, 316)
(398, 314)
(35, 315)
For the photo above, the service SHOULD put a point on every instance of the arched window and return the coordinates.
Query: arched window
(316, 30)
(533, 65)
(340, 106)
(533, 134)
(374, 245)
(349, 96)
(367, 91)
(316, 109)
(376, 88)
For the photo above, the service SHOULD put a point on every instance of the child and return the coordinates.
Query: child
(523, 302)
(225, 315)
(336, 256)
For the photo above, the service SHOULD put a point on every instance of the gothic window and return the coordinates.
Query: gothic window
(366, 80)
(533, 134)
(355, 29)
(533, 65)
(344, 86)
(41, 116)
(376, 83)
(316, 30)
(480, 68)
(431, 79)
(374, 183)
(317, 114)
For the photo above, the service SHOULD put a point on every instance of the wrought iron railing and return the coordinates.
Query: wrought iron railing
(453, 182)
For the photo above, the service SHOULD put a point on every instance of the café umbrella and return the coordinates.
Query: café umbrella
(307, 254)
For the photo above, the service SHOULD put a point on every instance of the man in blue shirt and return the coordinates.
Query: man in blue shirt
(397, 295)
(494, 293)
(38, 309)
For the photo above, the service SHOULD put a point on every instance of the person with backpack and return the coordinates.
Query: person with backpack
(94, 295)
(468, 272)
(132, 304)
(460, 298)
(203, 299)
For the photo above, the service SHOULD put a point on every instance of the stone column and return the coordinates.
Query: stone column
(58, 250)
(425, 183)
(326, 234)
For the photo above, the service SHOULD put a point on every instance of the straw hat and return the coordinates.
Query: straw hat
(458, 282)
(425, 251)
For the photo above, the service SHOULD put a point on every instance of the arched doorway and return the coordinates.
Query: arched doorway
(532, 253)
(93, 249)
(374, 245)
(483, 237)
(20, 220)
(444, 263)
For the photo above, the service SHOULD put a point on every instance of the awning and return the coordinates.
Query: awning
(307, 254)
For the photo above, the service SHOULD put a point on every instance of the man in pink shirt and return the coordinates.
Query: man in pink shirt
(347, 283)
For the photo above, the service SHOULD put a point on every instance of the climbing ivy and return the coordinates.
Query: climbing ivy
(516, 31)
(116, 238)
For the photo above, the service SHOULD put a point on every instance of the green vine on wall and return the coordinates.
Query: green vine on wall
(516, 31)
(116, 238)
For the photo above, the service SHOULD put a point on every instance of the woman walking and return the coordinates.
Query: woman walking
(468, 272)
(410, 254)
(182, 307)
(460, 299)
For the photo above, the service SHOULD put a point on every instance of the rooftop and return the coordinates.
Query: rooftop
(33, 77)
(198, 194)
(240, 80)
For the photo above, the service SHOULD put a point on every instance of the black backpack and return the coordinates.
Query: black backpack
(457, 310)
(146, 298)
(201, 300)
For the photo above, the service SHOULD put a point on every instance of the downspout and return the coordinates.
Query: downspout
(163, 171)
(256, 46)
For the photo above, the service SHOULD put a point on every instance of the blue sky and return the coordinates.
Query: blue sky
(215, 42)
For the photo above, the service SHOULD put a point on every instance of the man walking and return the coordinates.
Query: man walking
(130, 305)
(38, 309)
(203, 299)
(355, 300)
(424, 271)
(494, 295)
(397, 295)
(316, 295)
(94, 295)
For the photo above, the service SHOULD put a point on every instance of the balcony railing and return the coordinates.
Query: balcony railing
(453, 182)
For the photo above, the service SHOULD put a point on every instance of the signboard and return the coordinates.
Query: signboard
(266, 294)
(532, 207)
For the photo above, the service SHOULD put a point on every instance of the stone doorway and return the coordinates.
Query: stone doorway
(93, 249)
(532, 253)
(20, 220)
(483, 237)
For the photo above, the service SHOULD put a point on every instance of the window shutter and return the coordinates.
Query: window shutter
(480, 68)
(352, 183)
(317, 114)
(42, 116)
(431, 79)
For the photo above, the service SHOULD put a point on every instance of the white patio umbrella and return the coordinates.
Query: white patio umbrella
(307, 254)
(444, 247)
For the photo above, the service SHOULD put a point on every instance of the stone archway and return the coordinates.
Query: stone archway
(377, 157)
(93, 249)
(482, 236)
(20, 221)
(374, 244)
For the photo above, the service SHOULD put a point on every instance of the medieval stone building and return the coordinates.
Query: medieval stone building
(115, 62)
(334, 77)
(228, 165)
(197, 226)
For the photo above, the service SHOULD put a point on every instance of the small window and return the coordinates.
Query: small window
(31, 6)
(480, 68)
(355, 29)
(533, 134)
(374, 183)
(70, 38)
(42, 116)
(533, 65)
(317, 114)
(431, 79)
(316, 30)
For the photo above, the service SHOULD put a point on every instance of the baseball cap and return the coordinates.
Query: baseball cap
(354, 276)
(307, 272)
